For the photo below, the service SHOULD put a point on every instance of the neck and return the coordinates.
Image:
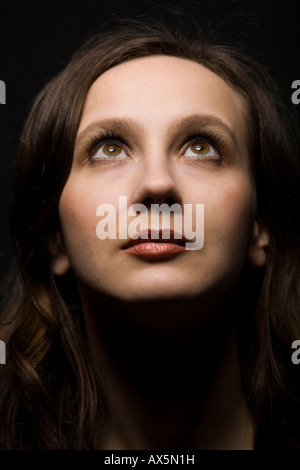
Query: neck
(171, 374)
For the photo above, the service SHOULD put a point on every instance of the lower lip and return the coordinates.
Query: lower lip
(155, 249)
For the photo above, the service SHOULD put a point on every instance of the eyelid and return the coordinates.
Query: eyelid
(210, 138)
(103, 138)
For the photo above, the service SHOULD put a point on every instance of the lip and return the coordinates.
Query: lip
(157, 246)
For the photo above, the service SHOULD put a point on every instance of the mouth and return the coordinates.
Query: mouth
(152, 244)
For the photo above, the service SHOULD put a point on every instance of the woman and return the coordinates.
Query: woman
(120, 342)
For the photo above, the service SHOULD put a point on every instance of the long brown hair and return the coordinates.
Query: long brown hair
(50, 396)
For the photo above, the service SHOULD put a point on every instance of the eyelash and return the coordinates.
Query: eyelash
(102, 138)
(209, 137)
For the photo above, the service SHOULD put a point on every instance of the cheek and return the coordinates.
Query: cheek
(77, 210)
(230, 216)
(78, 205)
(236, 206)
(76, 214)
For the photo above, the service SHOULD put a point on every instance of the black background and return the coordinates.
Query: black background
(36, 41)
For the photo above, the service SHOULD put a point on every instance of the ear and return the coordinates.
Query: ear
(59, 260)
(258, 244)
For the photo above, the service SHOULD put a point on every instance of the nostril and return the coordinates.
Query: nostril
(169, 201)
(148, 201)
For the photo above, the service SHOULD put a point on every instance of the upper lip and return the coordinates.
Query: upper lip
(158, 238)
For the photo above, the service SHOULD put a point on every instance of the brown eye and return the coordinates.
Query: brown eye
(200, 149)
(112, 150)
(109, 150)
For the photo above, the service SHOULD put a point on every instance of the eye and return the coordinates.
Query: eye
(200, 148)
(108, 150)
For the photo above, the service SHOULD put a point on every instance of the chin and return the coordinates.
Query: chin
(159, 292)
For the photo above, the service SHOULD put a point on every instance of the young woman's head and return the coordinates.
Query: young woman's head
(145, 113)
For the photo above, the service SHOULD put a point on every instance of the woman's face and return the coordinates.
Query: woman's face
(159, 129)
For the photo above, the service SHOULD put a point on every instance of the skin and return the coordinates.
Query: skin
(178, 312)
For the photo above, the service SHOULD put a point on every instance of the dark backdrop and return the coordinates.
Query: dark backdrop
(36, 42)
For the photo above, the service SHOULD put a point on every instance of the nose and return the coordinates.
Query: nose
(158, 184)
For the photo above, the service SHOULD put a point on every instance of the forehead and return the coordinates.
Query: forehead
(156, 89)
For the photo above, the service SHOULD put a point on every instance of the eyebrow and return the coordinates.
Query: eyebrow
(125, 125)
(190, 123)
(196, 121)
